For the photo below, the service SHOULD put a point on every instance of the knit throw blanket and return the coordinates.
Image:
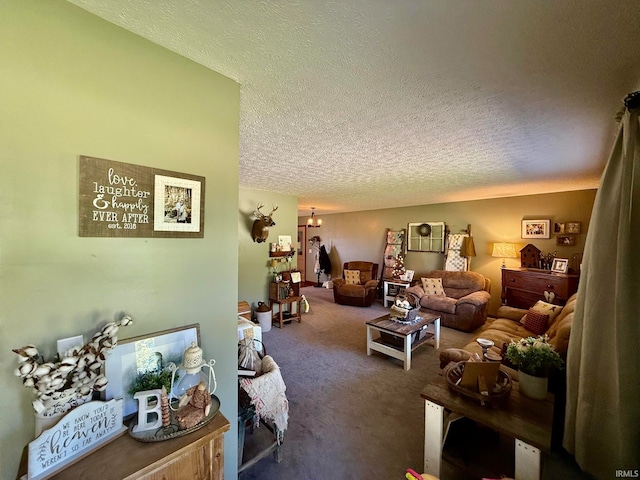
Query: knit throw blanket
(267, 395)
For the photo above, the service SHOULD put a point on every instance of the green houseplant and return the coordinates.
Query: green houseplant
(535, 357)
(151, 381)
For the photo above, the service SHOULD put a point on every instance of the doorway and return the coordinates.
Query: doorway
(302, 253)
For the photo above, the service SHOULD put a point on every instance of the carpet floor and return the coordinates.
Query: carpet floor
(351, 416)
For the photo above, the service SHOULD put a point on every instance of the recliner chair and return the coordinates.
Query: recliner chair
(361, 294)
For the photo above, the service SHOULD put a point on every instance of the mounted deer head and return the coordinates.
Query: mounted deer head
(260, 230)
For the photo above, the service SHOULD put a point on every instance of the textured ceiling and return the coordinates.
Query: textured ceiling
(356, 105)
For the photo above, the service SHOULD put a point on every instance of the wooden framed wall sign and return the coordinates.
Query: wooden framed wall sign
(125, 200)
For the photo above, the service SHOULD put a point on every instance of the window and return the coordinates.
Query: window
(426, 237)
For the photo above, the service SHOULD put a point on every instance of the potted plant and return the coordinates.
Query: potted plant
(534, 357)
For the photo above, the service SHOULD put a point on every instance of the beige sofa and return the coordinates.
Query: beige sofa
(507, 327)
(464, 305)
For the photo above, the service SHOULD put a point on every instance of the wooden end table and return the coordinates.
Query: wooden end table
(528, 421)
(278, 318)
(402, 350)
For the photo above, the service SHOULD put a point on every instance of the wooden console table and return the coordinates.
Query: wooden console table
(528, 421)
(198, 455)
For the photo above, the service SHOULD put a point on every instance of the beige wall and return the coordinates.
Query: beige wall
(360, 235)
(254, 272)
(73, 84)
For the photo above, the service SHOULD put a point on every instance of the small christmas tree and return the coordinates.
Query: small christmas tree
(398, 269)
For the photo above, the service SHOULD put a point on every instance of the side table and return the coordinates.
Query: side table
(528, 421)
(278, 318)
(391, 288)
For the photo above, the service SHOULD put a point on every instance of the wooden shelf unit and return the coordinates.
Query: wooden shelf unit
(281, 254)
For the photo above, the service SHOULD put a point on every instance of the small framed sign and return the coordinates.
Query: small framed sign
(82, 430)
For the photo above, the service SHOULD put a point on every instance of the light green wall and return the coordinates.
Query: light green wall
(254, 272)
(74, 84)
(360, 235)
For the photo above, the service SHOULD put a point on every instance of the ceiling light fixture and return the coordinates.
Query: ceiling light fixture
(313, 221)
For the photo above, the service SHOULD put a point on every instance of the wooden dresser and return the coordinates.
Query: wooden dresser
(522, 287)
(198, 455)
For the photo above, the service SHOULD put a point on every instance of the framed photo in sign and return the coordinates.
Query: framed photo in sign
(176, 204)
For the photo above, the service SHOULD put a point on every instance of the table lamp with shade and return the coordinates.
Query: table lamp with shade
(504, 250)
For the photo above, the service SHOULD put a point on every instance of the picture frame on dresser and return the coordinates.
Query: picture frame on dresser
(536, 228)
(560, 265)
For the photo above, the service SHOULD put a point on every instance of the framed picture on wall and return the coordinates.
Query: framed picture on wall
(536, 228)
(573, 228)
(566, 240)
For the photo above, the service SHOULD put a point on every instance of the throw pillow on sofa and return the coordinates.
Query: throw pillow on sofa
(433, 286)
(352, 277)
(545, 309)
(536, 322)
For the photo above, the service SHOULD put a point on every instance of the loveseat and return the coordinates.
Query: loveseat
(462, 303)
(508, 326)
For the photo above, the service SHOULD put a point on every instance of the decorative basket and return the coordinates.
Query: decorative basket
(501, 390)
(404, 314)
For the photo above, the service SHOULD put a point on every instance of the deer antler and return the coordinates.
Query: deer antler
(257, 213)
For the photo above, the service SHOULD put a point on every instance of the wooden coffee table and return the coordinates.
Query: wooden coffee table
(404, 333)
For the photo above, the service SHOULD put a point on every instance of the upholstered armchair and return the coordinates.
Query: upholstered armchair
(358, 285)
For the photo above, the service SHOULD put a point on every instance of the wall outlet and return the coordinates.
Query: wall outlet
(66, 344)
